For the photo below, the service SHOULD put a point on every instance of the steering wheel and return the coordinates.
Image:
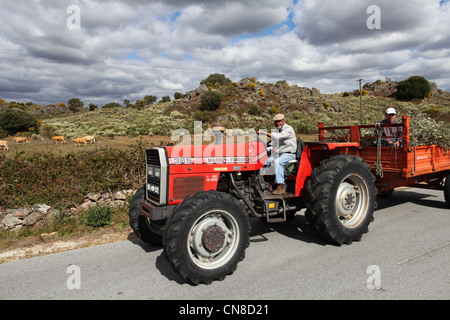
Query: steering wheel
(265, 144)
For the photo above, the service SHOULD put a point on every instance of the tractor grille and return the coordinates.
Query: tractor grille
(156, 183)
(153, 157)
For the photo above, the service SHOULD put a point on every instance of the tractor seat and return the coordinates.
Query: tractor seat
(292, 166)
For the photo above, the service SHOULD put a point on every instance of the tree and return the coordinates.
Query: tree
(211, 100)
(150, 99)
(215, 78)
(178, 95)
(92, 107)
(165, 99)
(112, 105)
(75, 105)
(14, 121)
(413, 88)
(140, 104)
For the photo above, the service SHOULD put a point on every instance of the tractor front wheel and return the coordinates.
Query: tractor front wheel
(206, 236)
(150, 233)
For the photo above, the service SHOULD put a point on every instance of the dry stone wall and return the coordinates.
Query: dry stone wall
(39, 214)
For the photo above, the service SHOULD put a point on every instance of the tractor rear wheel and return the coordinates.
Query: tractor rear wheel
(447, 190)
(341, 199)
(206, 236)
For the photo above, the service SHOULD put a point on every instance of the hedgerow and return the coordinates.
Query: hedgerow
(63, 180)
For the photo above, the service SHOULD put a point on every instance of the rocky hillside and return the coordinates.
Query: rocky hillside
(247, 104)
(388, 88)
(250, 104)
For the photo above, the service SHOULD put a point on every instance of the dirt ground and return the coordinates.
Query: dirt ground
(48, 145)
(118, 142)
(50, 243)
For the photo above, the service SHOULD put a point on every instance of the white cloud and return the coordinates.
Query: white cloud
(179, 43)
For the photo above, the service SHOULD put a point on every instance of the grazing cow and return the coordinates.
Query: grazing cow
(21, 140)
(59, 138)
(4, 145)
(90, 139)
(79, 141)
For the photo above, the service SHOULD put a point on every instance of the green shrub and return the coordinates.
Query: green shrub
(3, 133)
(14, 121)
(215, 78)
(413, 88)
(203, 116)
(211, 100)
(75, 105)
(111, 105)
(165, 99)
(178, 95)
(96, 217)
(46, 131)
(61, 180)
(254, 110)
(150, 99)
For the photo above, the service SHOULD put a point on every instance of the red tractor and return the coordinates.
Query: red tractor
(197, 199)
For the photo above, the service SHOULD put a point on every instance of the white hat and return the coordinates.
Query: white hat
(278, 117)
(390, 111)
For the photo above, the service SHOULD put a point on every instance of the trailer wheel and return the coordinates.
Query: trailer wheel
(149, 233)
(341, 199)
(447, 190)
(207, 236)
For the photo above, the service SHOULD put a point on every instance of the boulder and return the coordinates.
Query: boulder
(10, 222)
(119, 195)
(43, 208)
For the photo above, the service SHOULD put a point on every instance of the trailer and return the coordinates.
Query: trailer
(425, 166)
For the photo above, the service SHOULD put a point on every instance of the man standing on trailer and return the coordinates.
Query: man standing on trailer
(393, 134)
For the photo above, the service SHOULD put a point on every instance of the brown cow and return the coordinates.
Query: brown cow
(90, 139)
(3, 145)
(59, 138)
(79, 141)
(21, 140)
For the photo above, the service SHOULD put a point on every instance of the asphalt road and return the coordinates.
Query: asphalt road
(405, 255)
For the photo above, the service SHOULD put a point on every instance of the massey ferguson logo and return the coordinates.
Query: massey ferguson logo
(210, 160)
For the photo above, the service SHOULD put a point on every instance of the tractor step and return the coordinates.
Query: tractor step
(274, 206)
(267, 195)
(275, 220)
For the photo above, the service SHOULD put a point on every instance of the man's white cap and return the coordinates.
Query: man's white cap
(278, 117)
(390, 111)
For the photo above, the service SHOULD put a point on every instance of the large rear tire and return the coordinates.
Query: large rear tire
(341, 199)
(206, 236)
(447, 190)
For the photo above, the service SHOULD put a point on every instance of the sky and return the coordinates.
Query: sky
(104, 51)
